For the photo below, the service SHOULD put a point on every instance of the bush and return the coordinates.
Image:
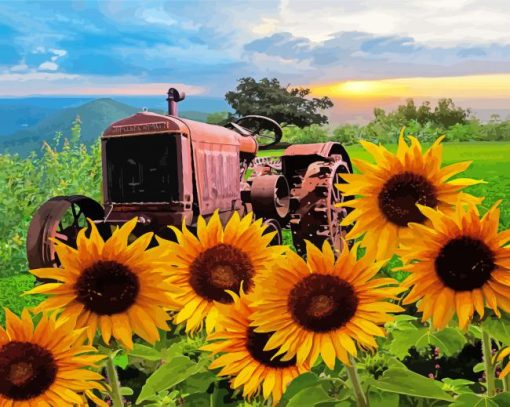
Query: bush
(66, 167)
(311, 134)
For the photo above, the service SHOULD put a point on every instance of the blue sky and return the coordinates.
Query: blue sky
(108, 47)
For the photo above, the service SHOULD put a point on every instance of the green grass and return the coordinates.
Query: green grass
(11, 289)
(491, 162)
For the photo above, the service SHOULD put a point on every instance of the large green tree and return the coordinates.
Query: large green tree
(284, 104)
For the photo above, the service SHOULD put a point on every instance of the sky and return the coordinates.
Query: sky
(360, 51)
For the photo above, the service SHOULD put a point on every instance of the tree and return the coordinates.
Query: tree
(218, 118)
(446, 114)
(285, 105)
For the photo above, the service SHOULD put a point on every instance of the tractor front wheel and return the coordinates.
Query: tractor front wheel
(60, 218)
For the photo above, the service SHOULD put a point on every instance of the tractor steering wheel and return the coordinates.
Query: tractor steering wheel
(266, 131)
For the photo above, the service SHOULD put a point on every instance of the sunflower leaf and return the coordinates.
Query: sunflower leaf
(310, 396)
(474, 400)
(404, 381)
(145, 352)
(168, 375)
(498, 328)
(383, 399)
(449, 340)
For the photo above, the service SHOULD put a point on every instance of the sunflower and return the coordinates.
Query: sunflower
(323, 306)
(46, 365)
(499, 357)
(389, 191)
(117, 287)
(457, 265)
(203, 267)
(243, 355)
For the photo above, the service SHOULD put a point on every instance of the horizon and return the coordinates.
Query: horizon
(354, 50)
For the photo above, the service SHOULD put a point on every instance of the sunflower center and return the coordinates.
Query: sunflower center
(465, 263)
(20, 373)
(107, 288)
(219, 268)
(401, 193)
(255, 343)
(223, 276)
(322, 303)
(26, 370)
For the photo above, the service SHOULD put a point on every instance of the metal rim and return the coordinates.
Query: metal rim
(272, 225)
(314, 197)
(60, 218)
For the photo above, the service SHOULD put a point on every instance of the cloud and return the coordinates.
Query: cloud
(201, 43)
(48, 66)
(357, 55)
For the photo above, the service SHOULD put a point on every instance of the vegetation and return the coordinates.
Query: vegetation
(288, 106)
(423, 122)
(66, 167)
(175, 372)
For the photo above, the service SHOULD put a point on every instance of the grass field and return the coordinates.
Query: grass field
(491, 162)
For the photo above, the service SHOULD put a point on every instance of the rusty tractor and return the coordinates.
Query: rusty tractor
(163, 169)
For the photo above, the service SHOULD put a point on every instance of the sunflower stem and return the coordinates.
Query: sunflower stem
(113, 379)
(359, 394)
(490, 380)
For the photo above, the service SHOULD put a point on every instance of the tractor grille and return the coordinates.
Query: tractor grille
(142, 169)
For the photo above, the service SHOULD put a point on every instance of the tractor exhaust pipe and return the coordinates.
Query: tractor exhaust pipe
(174, 96)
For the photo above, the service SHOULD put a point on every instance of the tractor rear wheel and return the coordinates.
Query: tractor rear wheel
(61, 218)
(314, 214)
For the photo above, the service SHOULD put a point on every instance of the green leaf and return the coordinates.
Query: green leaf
(168, 375)
(458, 386)
(383, 399)
(198, 383)
(198, 400)
(145, 352)
(473, 400)
(479, 367)
(302, 381)
(402, 342)
(502, 399)
(126, 391)
(310, 396)
(498, 328)
(449, 340)
(403, 381)
(121, 360)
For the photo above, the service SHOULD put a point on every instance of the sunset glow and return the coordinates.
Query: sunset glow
(473, 86)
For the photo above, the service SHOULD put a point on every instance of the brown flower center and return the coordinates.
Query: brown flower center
(465, 263)
(401, 193)
(223, 276)
(20, 373)
(322, 302)
(321, 305)
(26, 370)
(255, 344)
(107, 288)
(219, 268)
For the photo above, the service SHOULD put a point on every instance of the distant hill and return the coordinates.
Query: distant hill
(95, 117)
(14, 118)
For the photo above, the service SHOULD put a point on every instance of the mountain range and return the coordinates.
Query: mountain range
(28, 122)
